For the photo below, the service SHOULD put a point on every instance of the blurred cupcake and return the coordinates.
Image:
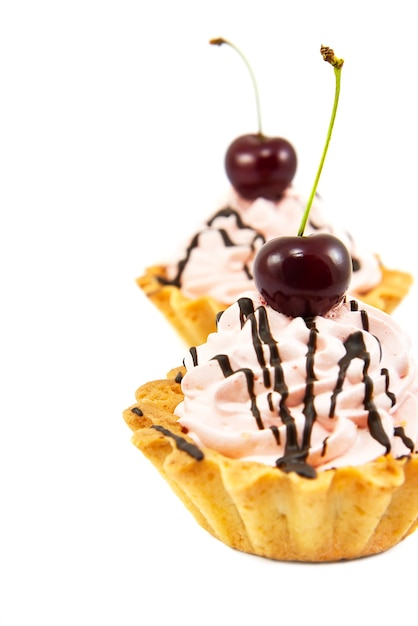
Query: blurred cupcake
(215, 264)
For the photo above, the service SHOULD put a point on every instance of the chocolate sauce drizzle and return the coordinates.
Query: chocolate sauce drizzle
(182, 444)
(179, 377)
(355, 348)
(226, 239)
(227, 212)
(399, 432)
(296, 453)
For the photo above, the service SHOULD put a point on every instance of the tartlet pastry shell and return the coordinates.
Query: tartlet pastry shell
(343, 513)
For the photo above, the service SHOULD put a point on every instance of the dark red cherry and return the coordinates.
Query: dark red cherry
(259, 166)
(303, 276)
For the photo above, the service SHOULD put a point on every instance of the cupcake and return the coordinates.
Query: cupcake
(215, 263)
(291, 438)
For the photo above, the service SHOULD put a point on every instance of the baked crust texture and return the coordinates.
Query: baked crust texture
(343, 513)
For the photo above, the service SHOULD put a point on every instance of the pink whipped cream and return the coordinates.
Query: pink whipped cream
(218, 259)
(332, 391)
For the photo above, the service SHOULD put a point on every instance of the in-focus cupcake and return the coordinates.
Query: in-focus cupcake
(215, 263)
(288, 438)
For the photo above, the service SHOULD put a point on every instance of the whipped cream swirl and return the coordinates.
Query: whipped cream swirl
(218, 260)
(303, 395)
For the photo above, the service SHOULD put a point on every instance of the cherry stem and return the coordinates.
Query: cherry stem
(328, 56)
(218, 42)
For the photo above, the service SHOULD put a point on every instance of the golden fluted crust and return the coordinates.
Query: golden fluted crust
(192, 319)
(391, 290)
(344, 513)
(195, 319)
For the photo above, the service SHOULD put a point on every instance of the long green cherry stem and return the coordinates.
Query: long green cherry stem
(218, 42)
(328, 56)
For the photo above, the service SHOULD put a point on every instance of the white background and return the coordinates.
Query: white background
(114, 120)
